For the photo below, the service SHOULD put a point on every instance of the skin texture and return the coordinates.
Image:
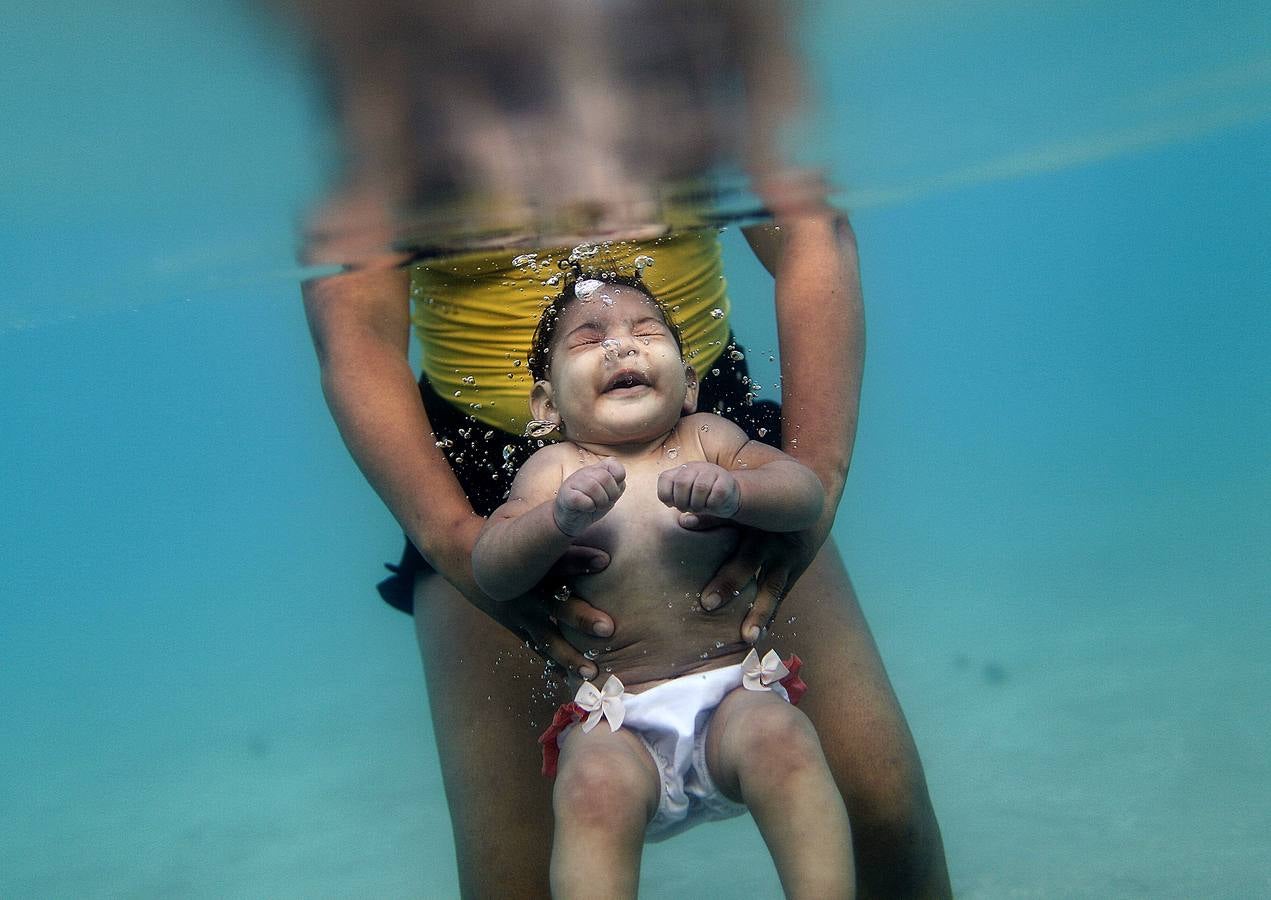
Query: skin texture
(490, 761)
(485, 687)
(618, 388)
(760, 750)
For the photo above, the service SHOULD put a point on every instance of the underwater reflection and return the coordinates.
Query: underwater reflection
(535, 124)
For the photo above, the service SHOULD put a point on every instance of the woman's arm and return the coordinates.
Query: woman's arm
(360, 323)
(361, 329)
(821, 335)
(811, 252)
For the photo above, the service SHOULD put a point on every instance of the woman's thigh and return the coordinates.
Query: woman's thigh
(863, 732)
(489, 703)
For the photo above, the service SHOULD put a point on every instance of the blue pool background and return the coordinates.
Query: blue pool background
(1058, 517)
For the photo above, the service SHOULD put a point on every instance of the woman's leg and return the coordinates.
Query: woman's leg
(867, 743)
(489, 704)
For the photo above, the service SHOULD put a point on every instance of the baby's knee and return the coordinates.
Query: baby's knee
(777, 732)
(602, 788)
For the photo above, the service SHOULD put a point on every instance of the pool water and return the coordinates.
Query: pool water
(1057, 518)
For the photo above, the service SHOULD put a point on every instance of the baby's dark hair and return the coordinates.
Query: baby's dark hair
(541, 349)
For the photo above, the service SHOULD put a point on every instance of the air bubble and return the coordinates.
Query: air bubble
(736, 356)
(717, 313)
(672, 452)
(643, 262)
(468, 379)
(706, 427)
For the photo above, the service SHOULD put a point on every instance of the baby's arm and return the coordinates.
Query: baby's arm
(525, 536)
(743, 480)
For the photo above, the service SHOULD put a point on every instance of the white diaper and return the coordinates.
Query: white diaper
(671, 720)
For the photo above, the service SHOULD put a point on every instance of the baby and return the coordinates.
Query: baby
(697, 728)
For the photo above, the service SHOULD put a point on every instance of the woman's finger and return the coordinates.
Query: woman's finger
(550, 644)
(700, 521)
(772, 590)
(580, 559)
(578, 614)
(735, 579)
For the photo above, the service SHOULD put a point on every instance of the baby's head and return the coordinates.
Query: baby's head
(607, 365)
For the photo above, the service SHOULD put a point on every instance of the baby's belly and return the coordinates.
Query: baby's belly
(643, 653)
(660, 628)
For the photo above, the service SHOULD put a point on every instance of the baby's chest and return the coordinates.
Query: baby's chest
(639, 518)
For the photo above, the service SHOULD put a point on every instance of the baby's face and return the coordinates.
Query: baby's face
(616, 373)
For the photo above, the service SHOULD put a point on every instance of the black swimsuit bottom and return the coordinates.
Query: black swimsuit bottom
(486, 459)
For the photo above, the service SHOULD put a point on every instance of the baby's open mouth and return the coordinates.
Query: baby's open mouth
(626, 380)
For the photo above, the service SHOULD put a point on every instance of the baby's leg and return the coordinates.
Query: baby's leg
(764, 752)
(607, 790)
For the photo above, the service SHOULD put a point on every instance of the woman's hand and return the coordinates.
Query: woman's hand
(761, 572)
(537, 616)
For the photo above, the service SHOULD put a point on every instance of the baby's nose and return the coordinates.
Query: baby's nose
(615, 347)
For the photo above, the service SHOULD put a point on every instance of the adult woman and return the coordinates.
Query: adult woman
(555, 108)
(486, 690)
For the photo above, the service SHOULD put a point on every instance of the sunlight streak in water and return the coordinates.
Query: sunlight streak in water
(1078, 151)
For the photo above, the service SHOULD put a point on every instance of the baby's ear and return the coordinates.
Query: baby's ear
(543, 404)
(690, 395)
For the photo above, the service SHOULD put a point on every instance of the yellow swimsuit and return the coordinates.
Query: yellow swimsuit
(475, 314)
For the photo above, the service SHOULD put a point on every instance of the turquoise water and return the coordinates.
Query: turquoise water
(1057, 518)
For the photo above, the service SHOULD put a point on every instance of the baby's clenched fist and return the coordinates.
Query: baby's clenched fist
(586, 495)
(700, 488)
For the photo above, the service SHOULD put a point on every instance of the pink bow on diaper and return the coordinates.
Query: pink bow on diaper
(757, 675)
(606, 703)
